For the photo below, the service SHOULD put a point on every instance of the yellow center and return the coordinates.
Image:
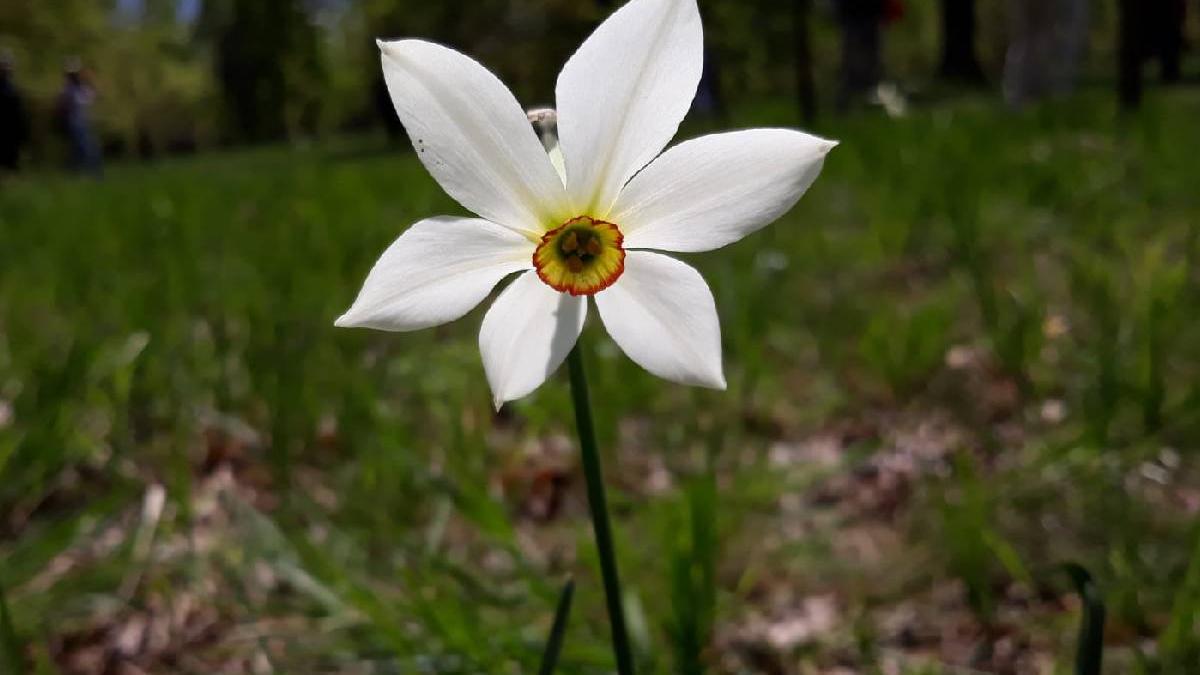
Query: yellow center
(581, 257)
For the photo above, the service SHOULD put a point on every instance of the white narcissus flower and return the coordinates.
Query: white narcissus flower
(590, 226)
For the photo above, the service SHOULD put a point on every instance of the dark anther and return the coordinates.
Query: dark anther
(570, 242)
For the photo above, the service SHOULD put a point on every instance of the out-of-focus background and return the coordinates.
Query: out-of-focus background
(970, 355)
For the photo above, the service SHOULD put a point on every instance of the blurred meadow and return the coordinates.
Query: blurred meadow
(968, 357)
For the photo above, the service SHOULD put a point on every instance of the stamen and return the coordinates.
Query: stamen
(593, 246)
(575, 264)
(570, 242)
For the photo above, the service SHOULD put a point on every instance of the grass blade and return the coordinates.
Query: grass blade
(1184, 611)
(12, 644)
(1091, 630)
(559, 630)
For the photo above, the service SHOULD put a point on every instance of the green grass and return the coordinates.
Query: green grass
(341, 501)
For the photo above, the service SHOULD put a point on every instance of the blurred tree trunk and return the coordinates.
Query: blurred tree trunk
(861, 24)
(1164, 26)
(269, 66)
(806, 91)
(960, 62)
(1130, 52)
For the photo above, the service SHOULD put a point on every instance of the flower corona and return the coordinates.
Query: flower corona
(583, 256)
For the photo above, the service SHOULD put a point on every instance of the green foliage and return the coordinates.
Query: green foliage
(1017, 336)
(13, 651)
(904, 347)
(1161, 282)
(1179, 647)
(692, 544)
(1094, 285)
(975, 551)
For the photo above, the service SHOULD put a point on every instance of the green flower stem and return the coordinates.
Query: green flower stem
(599, 505)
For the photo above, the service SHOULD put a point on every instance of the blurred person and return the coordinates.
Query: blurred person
(1047, 40)
(74, 113)
(14, 122)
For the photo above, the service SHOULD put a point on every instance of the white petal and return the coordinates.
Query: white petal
(527, 334)
(663, 316)
(472, 135)
(436, 272)
(622, 96)
(712, 191)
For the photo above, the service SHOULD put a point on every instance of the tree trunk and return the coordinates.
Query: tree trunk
(959, 60)
(1130, 52)
(806, 91)
(1166, 35)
